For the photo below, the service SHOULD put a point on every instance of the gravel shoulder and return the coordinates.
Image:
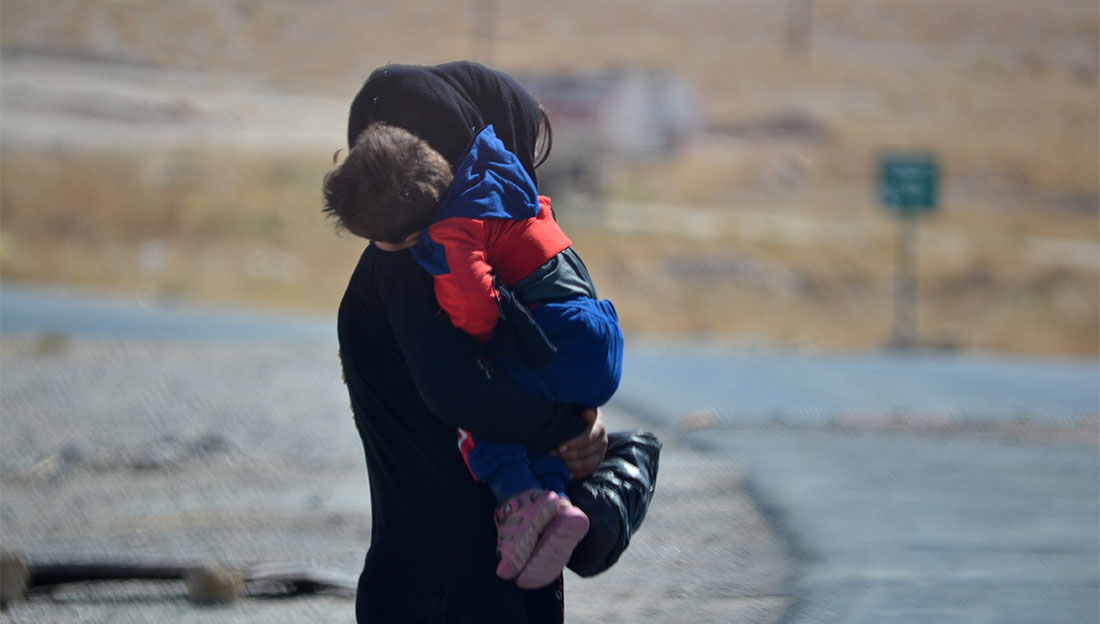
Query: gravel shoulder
(241, 453)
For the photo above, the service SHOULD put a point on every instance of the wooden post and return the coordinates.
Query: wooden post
(905, 295)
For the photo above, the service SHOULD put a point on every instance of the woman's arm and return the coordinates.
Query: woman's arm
(583, 454)
(458, 386)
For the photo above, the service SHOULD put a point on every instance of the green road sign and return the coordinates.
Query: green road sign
(907, 182)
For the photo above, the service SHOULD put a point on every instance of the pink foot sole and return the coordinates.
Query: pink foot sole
(519, 524)
(553, 550)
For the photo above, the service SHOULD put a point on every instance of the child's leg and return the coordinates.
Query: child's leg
(550, 471)
(524, 507)
(505, 468)
(568, 528)
(589, 363)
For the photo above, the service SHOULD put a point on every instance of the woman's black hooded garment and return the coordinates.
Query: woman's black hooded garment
(446, 105)
(413, 378)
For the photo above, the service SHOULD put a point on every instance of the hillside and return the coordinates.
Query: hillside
(765, 230)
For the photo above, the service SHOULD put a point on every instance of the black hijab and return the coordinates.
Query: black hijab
(446, 105)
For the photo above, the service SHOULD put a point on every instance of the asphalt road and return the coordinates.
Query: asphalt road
(182, 435)
(907, 487)
(876, 487)
(897, 527)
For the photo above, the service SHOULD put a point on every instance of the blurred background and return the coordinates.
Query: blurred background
(870, 413)
(715, 162)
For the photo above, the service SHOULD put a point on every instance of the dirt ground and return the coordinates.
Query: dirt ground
(190, 452)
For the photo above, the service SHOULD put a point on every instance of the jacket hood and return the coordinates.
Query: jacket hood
(490, 182)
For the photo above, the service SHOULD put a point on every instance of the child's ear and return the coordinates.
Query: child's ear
(411, 238)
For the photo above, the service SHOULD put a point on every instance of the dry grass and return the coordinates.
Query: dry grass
(233, 227)
(761, 292)
(784, 241)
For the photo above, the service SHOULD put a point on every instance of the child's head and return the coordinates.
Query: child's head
(389, 186)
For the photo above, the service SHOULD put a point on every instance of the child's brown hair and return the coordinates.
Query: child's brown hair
(389, 186)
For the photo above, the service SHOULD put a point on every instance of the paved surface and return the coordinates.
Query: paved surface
(922, 489)
(895, 527)
(743, 388)
(243, 451)
(792, 488)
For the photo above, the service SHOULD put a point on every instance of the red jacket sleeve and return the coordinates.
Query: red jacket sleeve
(466, 292)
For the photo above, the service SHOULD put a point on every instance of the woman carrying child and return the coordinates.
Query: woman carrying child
(462, 138)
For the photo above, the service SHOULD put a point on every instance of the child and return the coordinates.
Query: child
(484, 233)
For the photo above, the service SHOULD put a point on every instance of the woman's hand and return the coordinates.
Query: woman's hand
(583, 453)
